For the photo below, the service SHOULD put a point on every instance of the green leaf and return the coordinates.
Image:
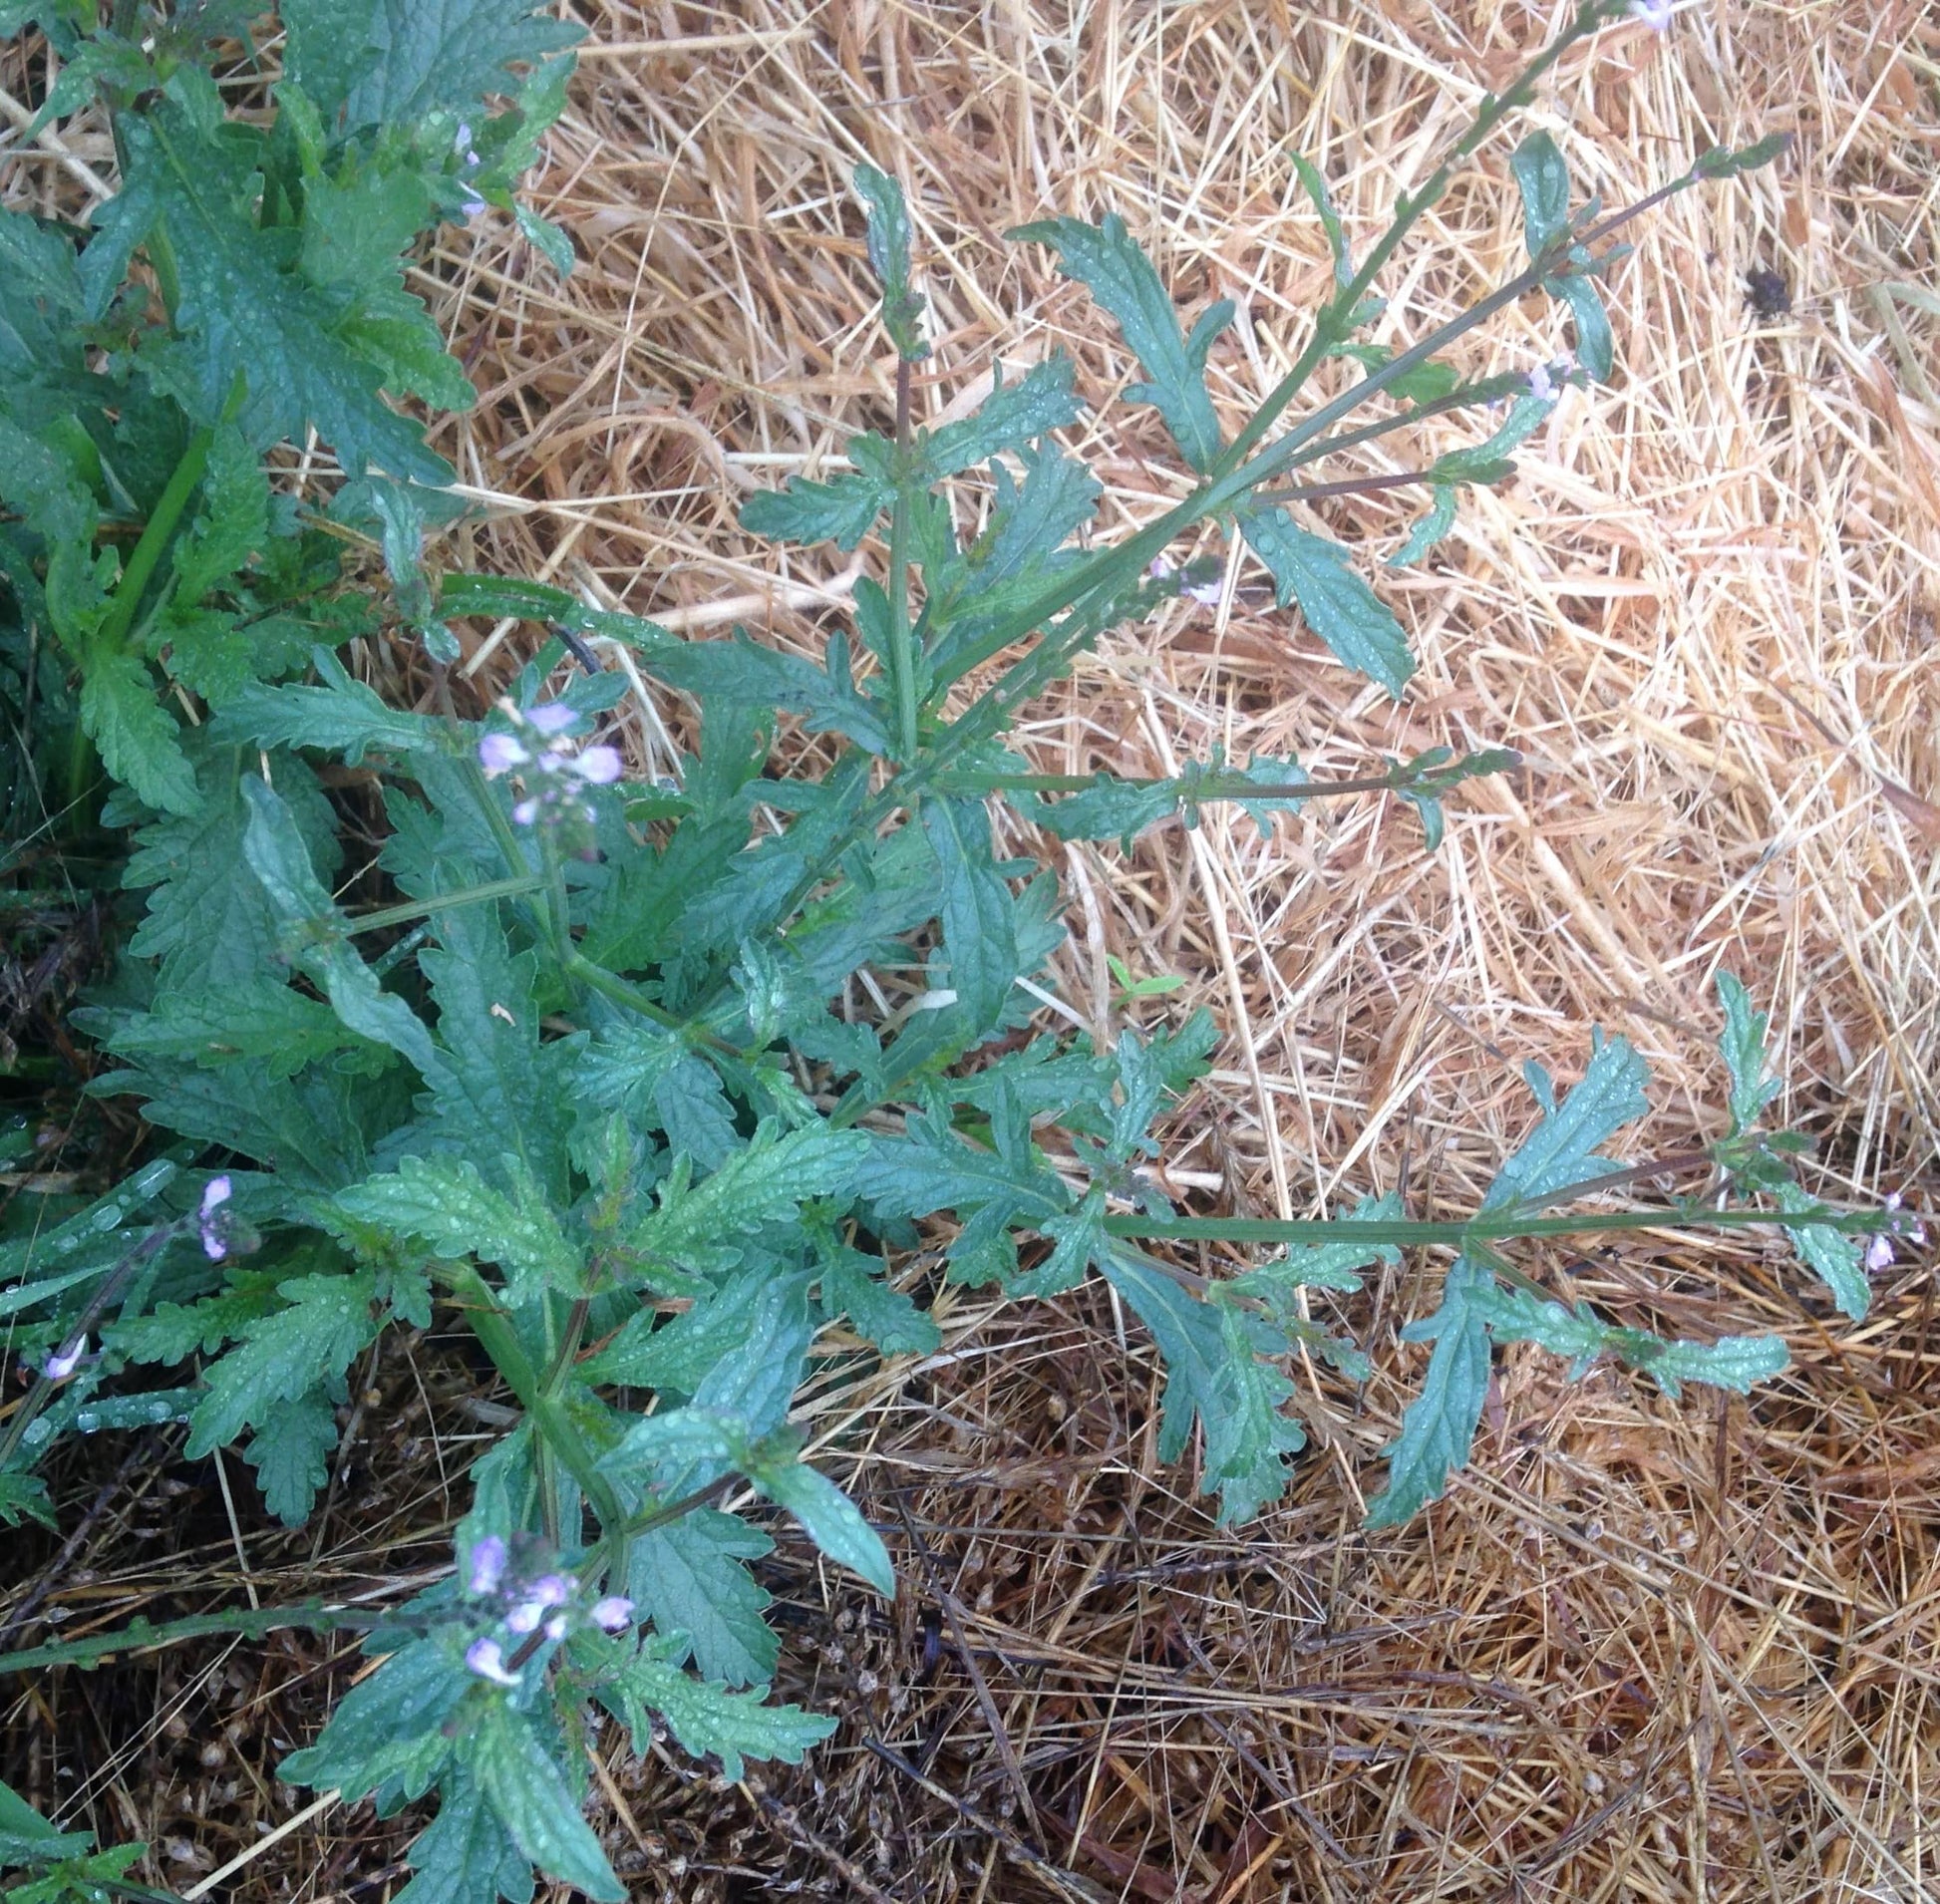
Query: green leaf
(546, 238)
(43, 317)
(855, 1285)
(690, 1578)
(932, 1167)
(707, 1717)
(1544, 180)
(290, 1451)
(284, 1356)
(27, 1839)
(842, 510)
(1338, 605)
(446, 1202)
(24, 1497)
(701, 1226)
(524, 1787)
(743, 670)
(1832, 1255)
(1559, 1151)
(1213, 1371)
(389, 1730)
(1429, 530)
(1010, 418)
(1595, 349)
(971, 593)
(1742, 1045)
(829, 1517)
(251, 1019)
(1723, 162)
(1482, 462)
(500, 1091)
(209, 919)
(1107, 259)
(391, 62)
(241, 317)
(1438, 1427)
(1322, 1265)
(341, 717)
(139, 744)
(902, 309)
(465, 1856)
(1315, 187)
(758, 1309)
(1733, 1362)
(172, 1331)
(315, 933)
(977, 908)
(1426, 383)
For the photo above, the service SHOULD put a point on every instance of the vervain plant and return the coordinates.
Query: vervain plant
(589, 1072)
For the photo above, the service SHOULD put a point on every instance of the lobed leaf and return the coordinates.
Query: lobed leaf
(1338, 605)
(1109, 262)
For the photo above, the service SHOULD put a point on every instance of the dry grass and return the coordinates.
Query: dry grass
(1646, 1650)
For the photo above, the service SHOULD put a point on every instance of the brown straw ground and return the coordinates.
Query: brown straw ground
(1646, 1649)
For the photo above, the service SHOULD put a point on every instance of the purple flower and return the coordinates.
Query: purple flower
(500, 754)
(551, 716)
(614, 1613)
(1655, 14)
(525, 813)
(525, 1617)
(554, 1589)
(215, 1193)
(488, 1557)
(469, 204)
(598, 765)
(487, 1658)
(1879, 1248)
(555, 1628)
(62, 1363)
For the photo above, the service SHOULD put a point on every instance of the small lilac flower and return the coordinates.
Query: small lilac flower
(488, 1560)
(555, 1628)
(215, 1195)
(1205, 593)
(525, 813)
(1655, 14)
(500, 754)
(551, 716)
(487, 1658)
(554, 1589)
(1879, 1253)
(1541, 388)
(62, 1363)
(597, 766)
(614, 1613)
(525, 1617)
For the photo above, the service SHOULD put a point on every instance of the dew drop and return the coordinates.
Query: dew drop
(87, 1420)
(36, 1430)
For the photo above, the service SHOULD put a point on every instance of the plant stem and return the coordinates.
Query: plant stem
(1334, 320)
(1476, 1229)
(551, 1425)
(902, 653)
(383, 916)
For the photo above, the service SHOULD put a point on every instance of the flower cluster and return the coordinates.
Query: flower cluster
(553, 771)
(532, 1610)
(469, 162)
(209, 1220)
(1879, 1247)
(1548, 381)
